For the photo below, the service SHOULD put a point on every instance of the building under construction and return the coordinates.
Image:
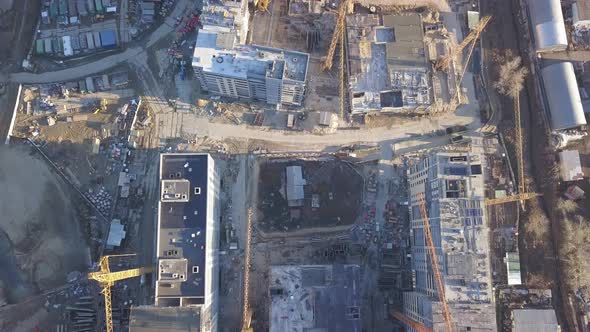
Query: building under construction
(315, 298)
(388, 65)
(452, 185)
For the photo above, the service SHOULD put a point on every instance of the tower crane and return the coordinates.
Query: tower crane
(339, 38)
(446, 313)
(514, 198)
(444, 62)
(107, 279)
(247, 311)
(417, 326)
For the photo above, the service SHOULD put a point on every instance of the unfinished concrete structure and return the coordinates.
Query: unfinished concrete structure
(453, 186)
(535, 320)
(229, 18)
(315, 298)
(188, 235)
(170, 319)
(267, 74)
(387, 61)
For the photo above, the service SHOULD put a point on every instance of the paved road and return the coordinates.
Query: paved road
(109, 61)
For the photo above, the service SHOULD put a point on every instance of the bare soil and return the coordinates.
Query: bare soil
(336, 184)
(39, 228)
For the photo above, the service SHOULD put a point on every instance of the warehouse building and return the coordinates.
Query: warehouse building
(267, 74)
(188, 236)
(563, 96)
(548, 25)
(453, 187)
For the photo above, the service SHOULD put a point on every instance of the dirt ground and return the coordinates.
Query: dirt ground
(41, 241)
(336, 184)
(16, 30)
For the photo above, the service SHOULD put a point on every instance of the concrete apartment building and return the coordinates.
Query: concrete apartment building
(225, 66)
(188, 238)
(226, 17)
(266, 74)
(453, 187)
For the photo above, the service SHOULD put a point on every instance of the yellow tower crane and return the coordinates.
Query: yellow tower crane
(446, 312)
(247, 311)
(444, 62)
(339, 37)
(417, 326)
(107, 279)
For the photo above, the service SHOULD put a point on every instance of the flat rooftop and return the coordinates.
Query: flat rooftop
(182, 219)
(321, 298)
(171, 319)
(535, 320)
(247, 61)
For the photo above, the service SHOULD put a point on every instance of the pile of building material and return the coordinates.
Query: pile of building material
(102, 199)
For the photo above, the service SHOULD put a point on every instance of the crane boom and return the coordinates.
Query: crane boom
(247, 312)
(410, 322)
(434, 262)
(107, 279)
(336, 37)
(444, 62)
(514, 198)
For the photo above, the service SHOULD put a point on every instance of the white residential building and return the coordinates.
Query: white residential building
(188, 236)
(267, 74)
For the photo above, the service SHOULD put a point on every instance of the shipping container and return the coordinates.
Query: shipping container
(89, 84)
(81, 6)
(48, 46)
(67, 43)
(75, 43)
(58, 45)
(99, 7)
(63, 8)
(90, 6)
(90, 41)
(108, 38)
(53, 9)
(72, 8)
(82, 84)
(97, 42)
(45, 17)
(39, 46)
(83, 42)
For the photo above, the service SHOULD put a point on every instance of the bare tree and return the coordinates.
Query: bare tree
(567, 206)
(537, 226)
(575, 252)
(511, 75)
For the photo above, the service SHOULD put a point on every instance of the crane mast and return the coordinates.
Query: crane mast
(107, 279)
(434, 263)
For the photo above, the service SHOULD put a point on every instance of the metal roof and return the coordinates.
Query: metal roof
(563, 96)
(295, 183)
(549, 28)
(570, 165)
